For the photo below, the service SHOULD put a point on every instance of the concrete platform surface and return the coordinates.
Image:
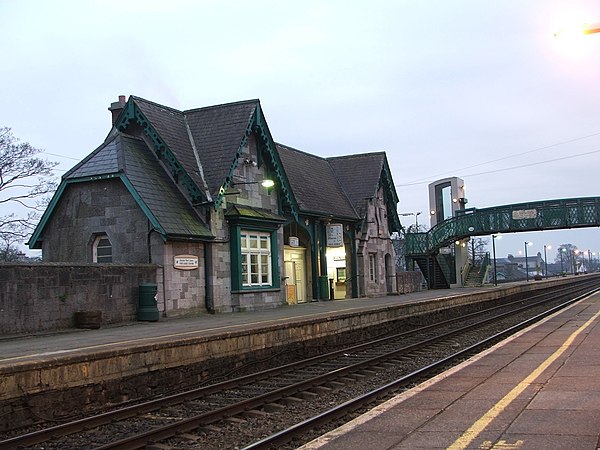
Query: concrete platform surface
(22, 348)
(540, 389)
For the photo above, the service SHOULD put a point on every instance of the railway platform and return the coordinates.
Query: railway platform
(539, 389)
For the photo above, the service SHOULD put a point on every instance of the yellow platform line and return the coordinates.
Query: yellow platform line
(471, 434)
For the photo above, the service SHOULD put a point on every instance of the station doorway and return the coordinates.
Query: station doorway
(294, 259)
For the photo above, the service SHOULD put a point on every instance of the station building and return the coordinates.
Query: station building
(232, 219)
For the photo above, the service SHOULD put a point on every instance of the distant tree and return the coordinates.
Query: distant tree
(565, 255)
(477, 247)
(10, 253)
(25, 180)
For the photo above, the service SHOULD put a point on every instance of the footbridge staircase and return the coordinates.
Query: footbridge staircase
(434, 251)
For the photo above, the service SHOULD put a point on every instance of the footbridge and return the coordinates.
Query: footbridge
(434, 251)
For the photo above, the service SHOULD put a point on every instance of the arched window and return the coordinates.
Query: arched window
(102, 249)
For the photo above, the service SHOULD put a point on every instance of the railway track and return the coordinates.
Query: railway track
(287, 401)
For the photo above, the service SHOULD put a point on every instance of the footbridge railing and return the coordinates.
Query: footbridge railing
(533, 216)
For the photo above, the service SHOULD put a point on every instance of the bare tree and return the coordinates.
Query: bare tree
(25, 180)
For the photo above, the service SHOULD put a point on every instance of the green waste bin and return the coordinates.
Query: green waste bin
(323, 287)
(147, 304)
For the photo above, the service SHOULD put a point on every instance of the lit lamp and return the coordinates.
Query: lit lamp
(267, 183)
(591, 28)
(562, 250)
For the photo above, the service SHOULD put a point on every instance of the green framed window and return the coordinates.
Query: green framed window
(256, 258)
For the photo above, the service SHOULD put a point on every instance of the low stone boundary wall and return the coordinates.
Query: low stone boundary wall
(45, 297)
(408, 282)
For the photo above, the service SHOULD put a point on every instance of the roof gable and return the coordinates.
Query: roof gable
(202, 146)
(361, 176)
(128, 158)
(315, 185)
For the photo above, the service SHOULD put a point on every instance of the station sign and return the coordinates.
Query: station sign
(519, 214)
(335, 235)
(185, 262)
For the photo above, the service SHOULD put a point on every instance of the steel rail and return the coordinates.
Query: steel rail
(190, 424)
(287, 435)
(124, 413)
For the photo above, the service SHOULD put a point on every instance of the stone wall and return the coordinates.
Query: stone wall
(44, 297)
(408, 282)
(89, 209)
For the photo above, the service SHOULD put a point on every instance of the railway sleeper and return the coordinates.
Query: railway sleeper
(273, 407)
(189, 437)
(206, 429)
(158, 446)
(336, 384)
(255, 413)
(291, 400)
(307, 395)
(321, 389)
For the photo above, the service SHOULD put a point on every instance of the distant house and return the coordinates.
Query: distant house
(187, 191)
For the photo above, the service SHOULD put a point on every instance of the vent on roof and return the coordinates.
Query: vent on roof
(116, 107)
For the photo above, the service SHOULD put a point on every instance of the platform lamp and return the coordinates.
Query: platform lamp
(526, 263)
(494, 237)
(562, 251)
(549, 247)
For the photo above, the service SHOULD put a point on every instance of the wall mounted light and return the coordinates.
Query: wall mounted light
(268, 183)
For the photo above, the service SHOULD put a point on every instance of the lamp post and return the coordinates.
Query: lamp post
(494, 237)
(575, 253)
(562, 250)
(526, 263)
(549, 247)
(416, 218)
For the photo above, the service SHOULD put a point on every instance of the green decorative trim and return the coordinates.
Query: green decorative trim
(266, 147)
(390, 197)
(33, 242)
(133, 112)
(147, 212)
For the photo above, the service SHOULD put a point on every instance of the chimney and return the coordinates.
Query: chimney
(116, 108)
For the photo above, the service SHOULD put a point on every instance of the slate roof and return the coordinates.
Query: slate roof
(359, 176)
(214, 132)
(131, 156)
(314, 184)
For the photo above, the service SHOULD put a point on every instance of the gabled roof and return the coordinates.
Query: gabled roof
(202, 146)
(210, 135)
(314, 184)
(128, 158)
(361, 176)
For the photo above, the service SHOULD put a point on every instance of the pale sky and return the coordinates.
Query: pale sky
(481, 90)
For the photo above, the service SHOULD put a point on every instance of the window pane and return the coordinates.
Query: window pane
(254, 269)
(253, 241)
(244, 269)
(264, 242)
